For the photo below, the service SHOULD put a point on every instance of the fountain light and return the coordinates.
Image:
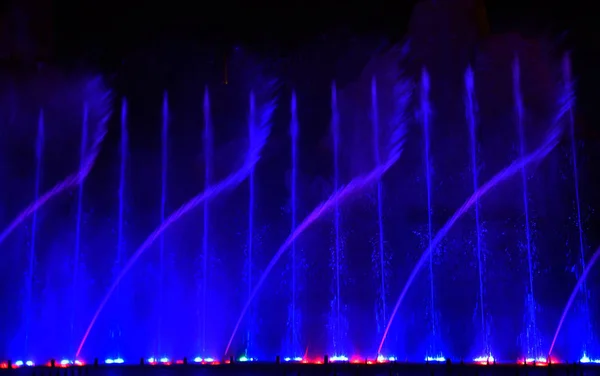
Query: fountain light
(438, 358)
(586, 359)
(294, 359)
(338, 358)
(485, 359)
(383, 359)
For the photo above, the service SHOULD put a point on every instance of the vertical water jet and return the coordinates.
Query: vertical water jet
(163, 202)
(122, 185)
(382, 315)
(208, 154)
(250, 243)
(472, 123)
(294, 129)
(335, 129)
(39, 151)
(531, 330)
(584, 292)
(426, 120)
(78, 223)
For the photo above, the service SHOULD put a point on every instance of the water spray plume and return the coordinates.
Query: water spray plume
(395, 144)
(258, 136)
(540, 153)
(578, 286)
(70, 181)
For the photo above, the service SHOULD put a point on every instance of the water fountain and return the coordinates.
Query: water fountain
(337, 322)
(471, 121)
(39, 152)
(531, 336)
(250, 239)
(259, 137)
(584, 291)
(343, 302)
(70, 181)
(121, 210)
(376, 140)
(294, 316)
(208, 155)
(78, 225)
(540, 153)
(425, 108)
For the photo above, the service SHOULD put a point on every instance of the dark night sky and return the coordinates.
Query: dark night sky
(109, 28)
(103, 32)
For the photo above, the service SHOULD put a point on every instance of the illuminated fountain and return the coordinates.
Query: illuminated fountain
(294, 316)
(77, 293)
(531, 332)
(250, 238)
(208, 156)
(472, 123)
(434, 352)
(289, 316)
(381, 257)
(337, 321)
(28, 308)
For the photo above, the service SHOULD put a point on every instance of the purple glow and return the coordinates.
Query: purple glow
(259, 138)
(542, 151)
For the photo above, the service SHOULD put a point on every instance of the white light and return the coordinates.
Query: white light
(438, 358)
(287, 359)
(109, 361)
(19, 363)
(209, 360)
(164, 360)
(198, 359)
(64, 362)
(339, 358)
(298, 359)
(152, 360)
(29, 363)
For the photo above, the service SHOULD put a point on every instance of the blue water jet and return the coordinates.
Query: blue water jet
(78, 224)
(531, 330)
(470, 113)
(426, 120)
(293, 319)
(121, 256)
(337, 252)
(250, 242)
(163, 203)
(584, 292)
(39, 151)
(382, 314)
(208, 155)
